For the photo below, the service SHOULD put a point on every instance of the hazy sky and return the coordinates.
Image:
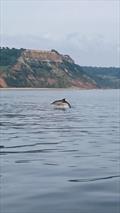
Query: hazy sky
(87, 30)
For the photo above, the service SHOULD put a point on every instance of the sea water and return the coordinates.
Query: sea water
(59, 161)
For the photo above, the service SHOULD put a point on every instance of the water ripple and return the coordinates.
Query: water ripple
(28, 151)
(93, 179)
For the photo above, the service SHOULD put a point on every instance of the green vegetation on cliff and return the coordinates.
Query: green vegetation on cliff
(9, 56)
(105, 77)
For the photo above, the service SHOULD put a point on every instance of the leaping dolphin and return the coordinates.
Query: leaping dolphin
(61, 104)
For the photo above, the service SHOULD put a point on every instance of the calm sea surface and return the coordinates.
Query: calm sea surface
(55, 161)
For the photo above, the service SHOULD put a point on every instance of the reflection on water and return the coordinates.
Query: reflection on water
(55, 161)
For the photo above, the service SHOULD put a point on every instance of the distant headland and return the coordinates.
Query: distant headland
(22, 68)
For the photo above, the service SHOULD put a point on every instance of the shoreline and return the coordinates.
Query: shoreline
(44, 88)
(72, 88)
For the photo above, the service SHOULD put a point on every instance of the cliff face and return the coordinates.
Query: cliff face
(45, 69)
(32, 68)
